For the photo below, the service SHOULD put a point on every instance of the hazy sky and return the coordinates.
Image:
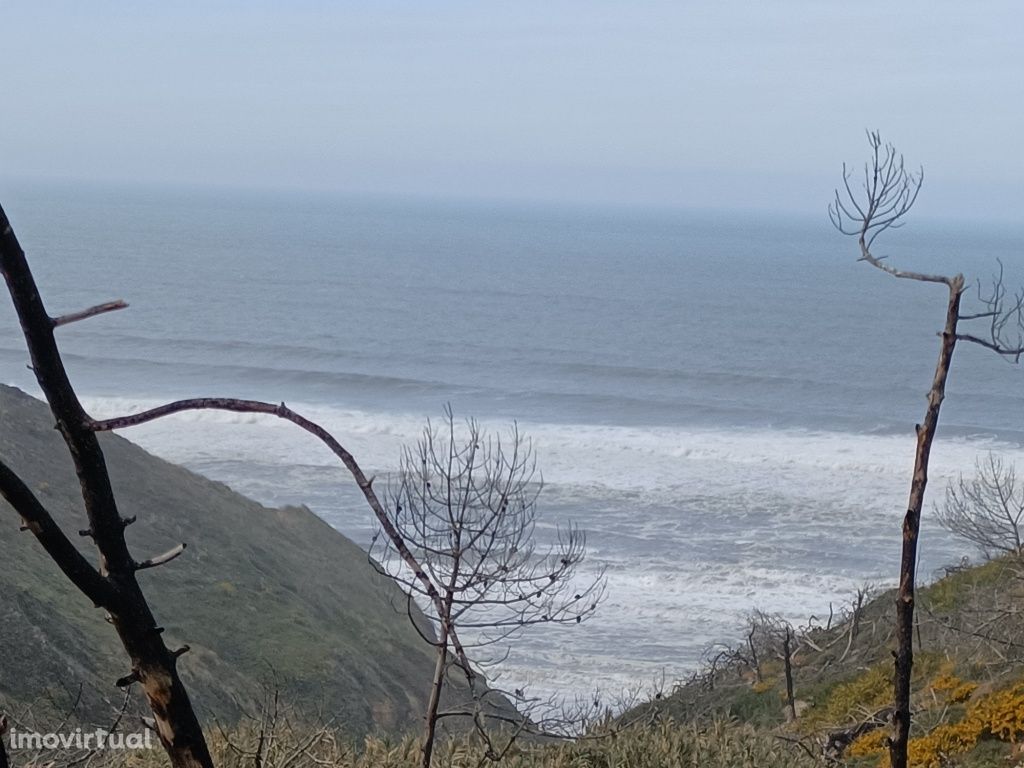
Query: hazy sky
(715, 104)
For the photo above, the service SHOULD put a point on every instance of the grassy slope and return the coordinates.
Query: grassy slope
(969, 676)
(260, 586)
(257, 589)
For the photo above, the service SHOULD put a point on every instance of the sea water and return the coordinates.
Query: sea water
(725, 403)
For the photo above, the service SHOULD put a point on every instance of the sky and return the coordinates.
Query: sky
(714, 105)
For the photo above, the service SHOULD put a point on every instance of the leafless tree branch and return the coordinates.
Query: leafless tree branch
(37, 520)
(987, 509)
(99, 309)
(347, 459)
(166, 557)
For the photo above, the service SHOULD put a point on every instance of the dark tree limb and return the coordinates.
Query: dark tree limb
(787, 661)
(3, 749)
(60, 549)
(1013, 352)
(283, 412)
(152, 663)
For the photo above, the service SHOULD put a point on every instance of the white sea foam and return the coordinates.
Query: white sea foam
(644, 460)
(695, 526)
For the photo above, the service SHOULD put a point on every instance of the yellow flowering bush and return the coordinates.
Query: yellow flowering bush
(955, 689)
(870, 743)
(998, 715)
(871, 690)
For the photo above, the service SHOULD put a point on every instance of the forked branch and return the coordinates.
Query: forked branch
(1005, 314)
(888, 193)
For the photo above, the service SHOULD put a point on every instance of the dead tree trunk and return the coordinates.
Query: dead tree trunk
(787, 661)
(3, 749)
(754, 661)
(889, 192)
(113, 586)
(911, 526)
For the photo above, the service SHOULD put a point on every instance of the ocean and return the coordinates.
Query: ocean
(724, 402)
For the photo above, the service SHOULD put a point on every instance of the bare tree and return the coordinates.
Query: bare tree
(988, 509)
(465, 505)
(770, 635)
(888, 193)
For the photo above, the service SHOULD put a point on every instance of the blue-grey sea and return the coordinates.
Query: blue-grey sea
(725, 402)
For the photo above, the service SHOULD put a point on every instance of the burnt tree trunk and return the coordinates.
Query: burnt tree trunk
(888, 193)
(753, 654)
(911, 525)
(787, 660)
(3, 749)
(114, 587)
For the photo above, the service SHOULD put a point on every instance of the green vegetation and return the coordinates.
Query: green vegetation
(946, 595)
(968, 679)
(307, 613)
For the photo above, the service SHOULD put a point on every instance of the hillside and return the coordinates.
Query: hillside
(968, 699)
(263, 594)
(259, 595)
